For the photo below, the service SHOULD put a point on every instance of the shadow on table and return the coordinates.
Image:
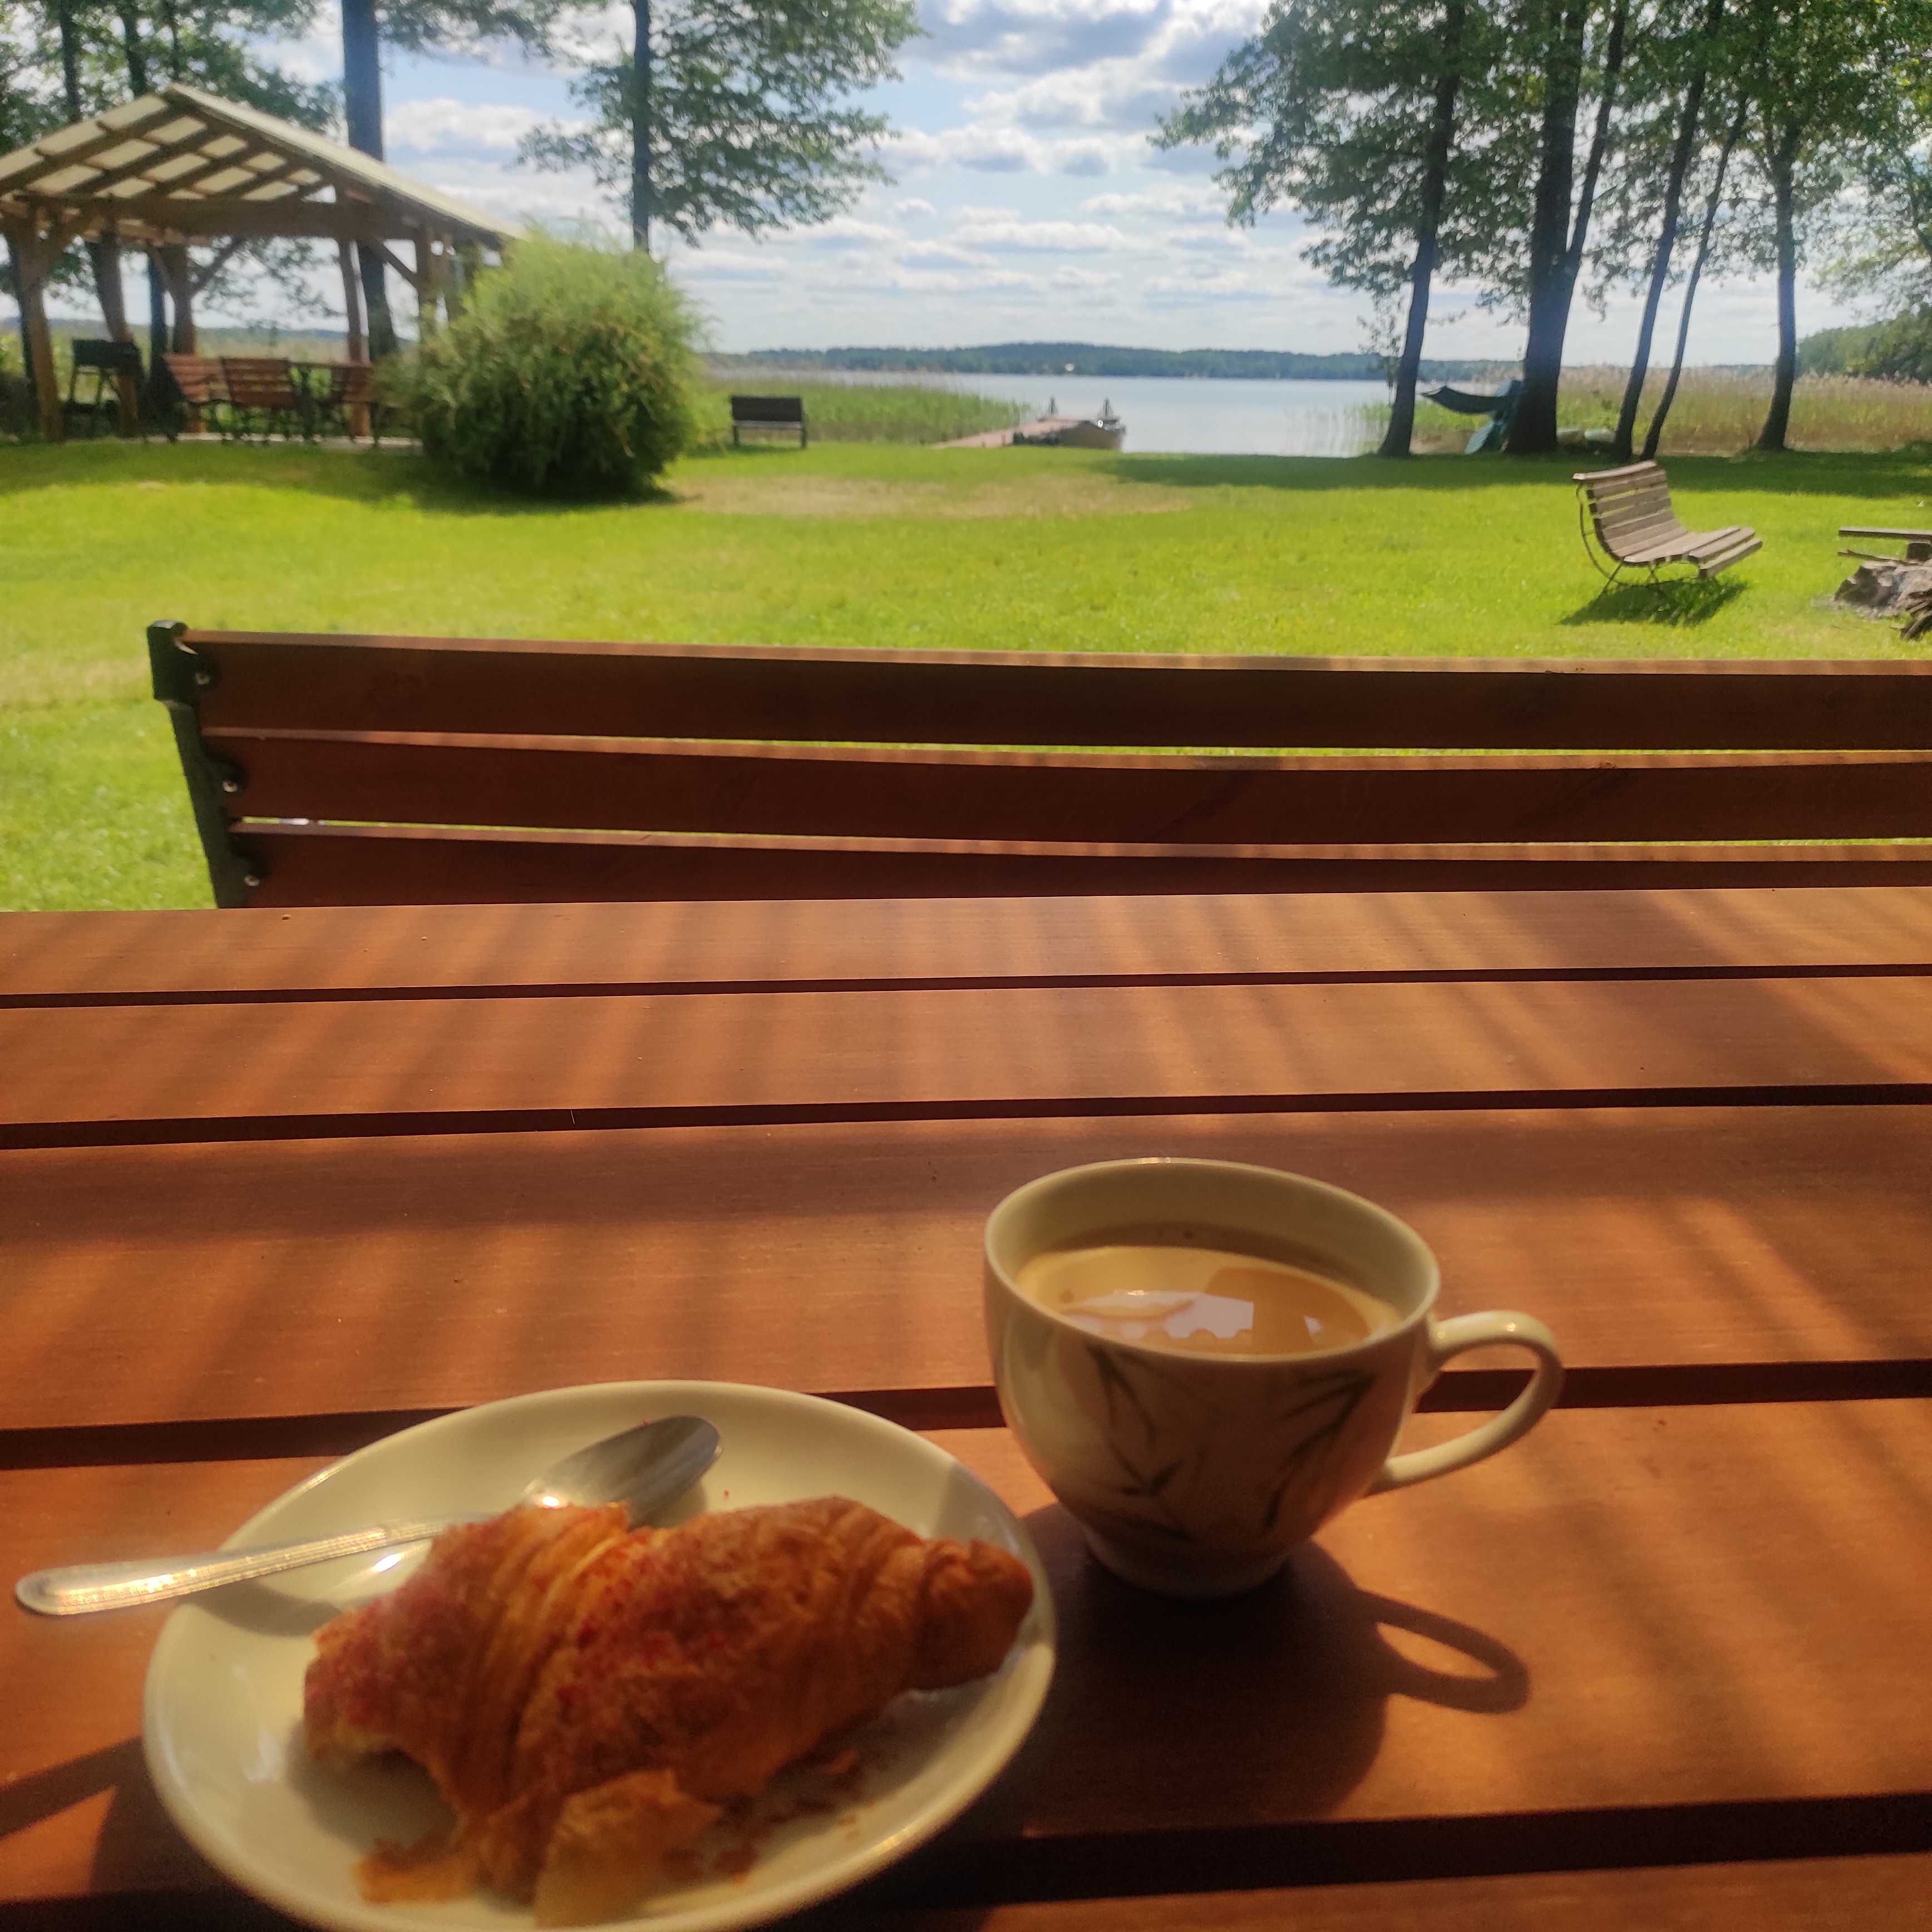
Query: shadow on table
(1177, 1731)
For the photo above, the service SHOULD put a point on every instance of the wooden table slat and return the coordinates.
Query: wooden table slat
(845, 1258)
(805, 1055)
(77, 956)
(1634, 1609)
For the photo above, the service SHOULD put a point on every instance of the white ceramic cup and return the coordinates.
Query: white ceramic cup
(1196, 1474)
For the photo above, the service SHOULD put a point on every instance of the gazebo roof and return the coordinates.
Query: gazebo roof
(182, 166)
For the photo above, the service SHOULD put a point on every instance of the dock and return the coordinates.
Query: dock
(1002, 439)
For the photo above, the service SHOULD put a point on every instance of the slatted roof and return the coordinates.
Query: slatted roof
(182, 165)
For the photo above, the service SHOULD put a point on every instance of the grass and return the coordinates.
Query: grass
(872, 545)
(1719, 413)
(863, 411)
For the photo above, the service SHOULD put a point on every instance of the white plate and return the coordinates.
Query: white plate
(223, 1702)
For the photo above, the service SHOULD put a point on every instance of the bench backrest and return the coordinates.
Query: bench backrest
(197, 377)
(768, 409)
(337, 770)
(258, 382)
(1631, 508)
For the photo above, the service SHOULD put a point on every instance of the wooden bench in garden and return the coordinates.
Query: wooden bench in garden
(263, 386)
(1629, 511)
(328, 770)
(768, 412)
(198, 383)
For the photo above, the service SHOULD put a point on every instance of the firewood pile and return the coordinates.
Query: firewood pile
(1890, 591)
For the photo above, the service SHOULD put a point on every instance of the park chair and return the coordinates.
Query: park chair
(382, 770)
(351, 392)
(199, 386)
(1630, 510)
(263, 386)
(106, 361)
(768, 412)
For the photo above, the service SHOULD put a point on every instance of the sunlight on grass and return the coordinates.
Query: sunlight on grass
(863, 545)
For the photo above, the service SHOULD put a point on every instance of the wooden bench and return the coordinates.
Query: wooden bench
(1918, 543)
(198, 383)
(331, 770)
(768, 412)
(263, 386)
(1629, 511)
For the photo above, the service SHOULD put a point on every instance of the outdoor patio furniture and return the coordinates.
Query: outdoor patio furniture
(1918, 543)
(1629, 511)
(107, 363)
(200, 387)
(337, 769)
(341, 396)
(272, 1188)
(768, 412)
(262, 388)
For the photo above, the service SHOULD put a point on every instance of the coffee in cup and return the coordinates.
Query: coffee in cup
(1200, 1291)
(1206, 1361)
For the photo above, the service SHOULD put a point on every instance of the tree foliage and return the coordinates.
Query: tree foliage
(570, 373)
(736, 113)
(1346, 109)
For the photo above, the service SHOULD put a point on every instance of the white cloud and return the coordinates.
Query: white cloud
(444, 126)
(999, 229)
(914, 209)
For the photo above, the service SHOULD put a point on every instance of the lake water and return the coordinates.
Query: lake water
(1203, 417)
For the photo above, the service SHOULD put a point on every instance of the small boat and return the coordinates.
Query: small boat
(1105, 431)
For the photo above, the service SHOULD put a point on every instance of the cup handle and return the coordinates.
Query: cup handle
(1447, 1339)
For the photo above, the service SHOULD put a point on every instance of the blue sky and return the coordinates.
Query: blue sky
(1027, 203)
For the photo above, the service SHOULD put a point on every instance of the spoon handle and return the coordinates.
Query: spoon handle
(82, 1588)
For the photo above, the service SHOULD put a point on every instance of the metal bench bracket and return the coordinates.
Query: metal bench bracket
(181, 674)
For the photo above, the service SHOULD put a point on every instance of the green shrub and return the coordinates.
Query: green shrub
(568, 373)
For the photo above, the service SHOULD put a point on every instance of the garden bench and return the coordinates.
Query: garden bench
(198, 381)
(768, 412)
(331, 770)
(263, 386)
(1630, 512)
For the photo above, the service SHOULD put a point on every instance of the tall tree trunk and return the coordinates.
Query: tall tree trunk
(103, 258)
(1434, 184)
(137, 58)
(17, 270)
(1654, 436)
(1534, 426)
(1783, 159)
(640, 126)
(362, 104)
(1681, 156)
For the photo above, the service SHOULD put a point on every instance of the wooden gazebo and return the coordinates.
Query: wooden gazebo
(183, 167)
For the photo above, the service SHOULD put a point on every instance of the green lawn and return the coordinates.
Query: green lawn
(849, 544)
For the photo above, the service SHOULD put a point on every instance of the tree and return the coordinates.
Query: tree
(1686, 57)
(1822, 85)
(1346, 109)
(736, 113)
(417, 24)
(1571, 46)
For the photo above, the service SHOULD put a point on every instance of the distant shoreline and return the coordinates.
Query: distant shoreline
(1076, 359)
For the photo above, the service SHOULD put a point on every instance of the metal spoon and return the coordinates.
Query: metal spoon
(645, 1469)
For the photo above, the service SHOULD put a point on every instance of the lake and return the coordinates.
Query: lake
(1204, 416)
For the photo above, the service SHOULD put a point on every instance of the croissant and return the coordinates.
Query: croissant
(588, 1698)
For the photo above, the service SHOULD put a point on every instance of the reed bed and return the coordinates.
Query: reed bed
(861, 411)
(1720, 412)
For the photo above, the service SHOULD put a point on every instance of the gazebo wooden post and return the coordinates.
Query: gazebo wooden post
(352, 302)
(32, 259)
(429, 285)
(181, 286)
(114, 312)
(358, 342)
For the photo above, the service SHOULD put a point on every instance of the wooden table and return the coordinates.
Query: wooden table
(273, 1184)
